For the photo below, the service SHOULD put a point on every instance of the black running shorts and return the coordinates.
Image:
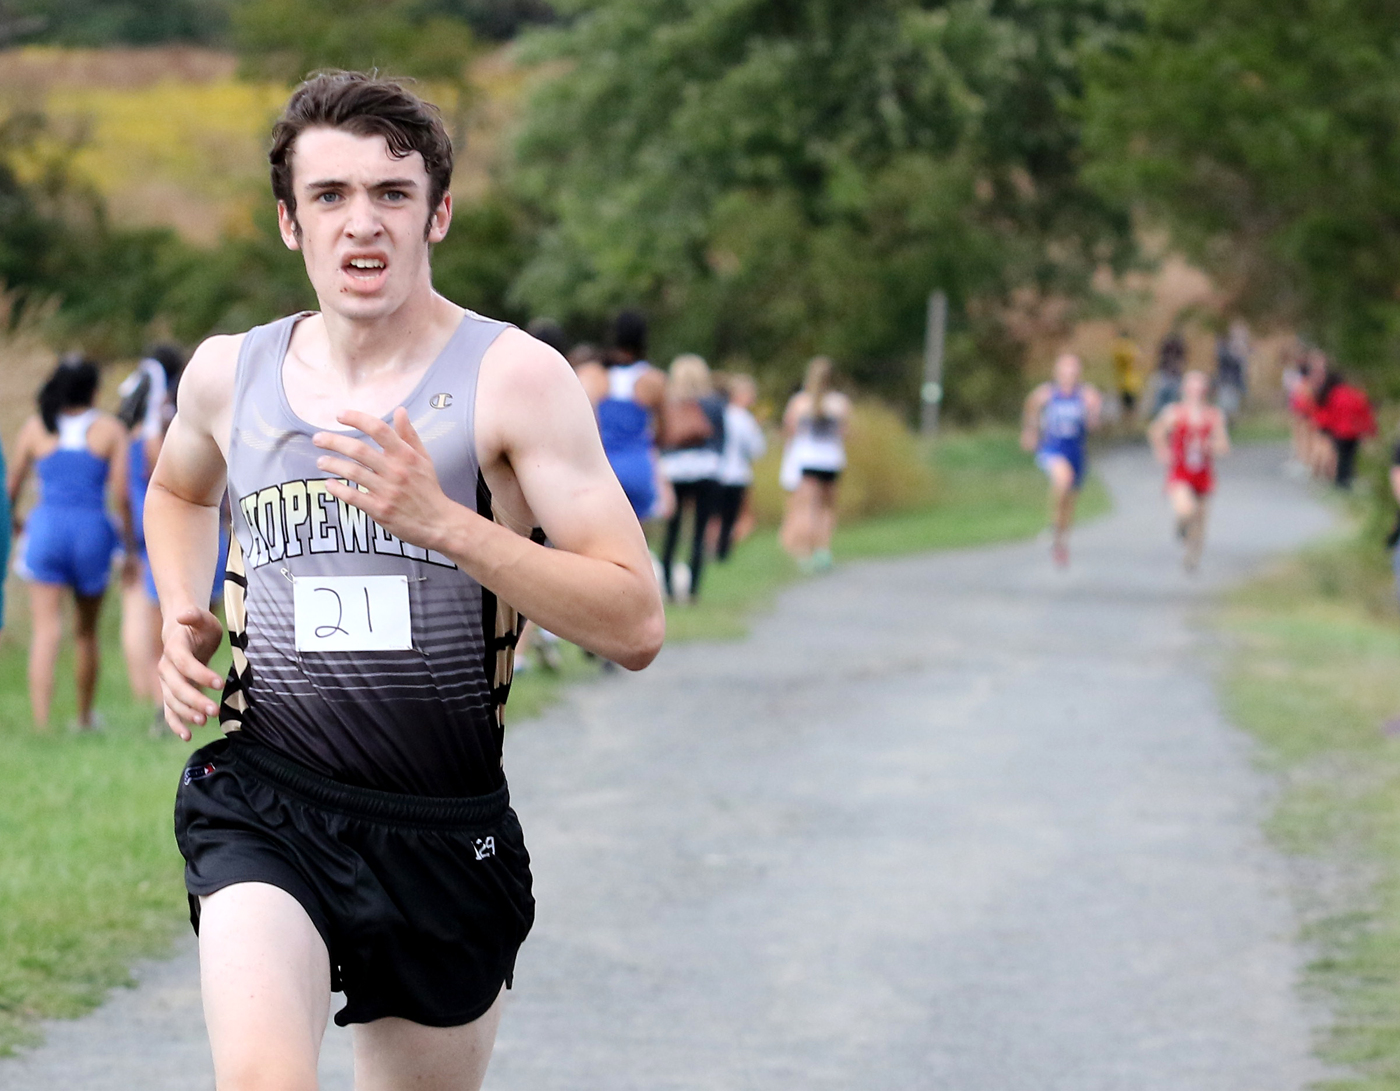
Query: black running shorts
(422, 901)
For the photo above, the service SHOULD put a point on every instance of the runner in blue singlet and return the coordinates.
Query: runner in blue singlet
(627, 414)
(1055, 424)
(78, 452)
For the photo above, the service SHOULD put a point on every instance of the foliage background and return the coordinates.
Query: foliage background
(769, 179)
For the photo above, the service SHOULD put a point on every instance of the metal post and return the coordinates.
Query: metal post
(931, 393)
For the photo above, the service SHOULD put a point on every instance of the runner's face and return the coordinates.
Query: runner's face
(361, 214)
(1067, 373)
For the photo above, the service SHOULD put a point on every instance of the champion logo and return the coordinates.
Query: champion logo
(440, 401)
(198, 772)
(484, 846)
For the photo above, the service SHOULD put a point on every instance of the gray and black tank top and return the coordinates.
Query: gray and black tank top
(424, 719)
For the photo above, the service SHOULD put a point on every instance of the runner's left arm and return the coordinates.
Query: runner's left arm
(1220, 436)
(1093, 406)
(596, 587)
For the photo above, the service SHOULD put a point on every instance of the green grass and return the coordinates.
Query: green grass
(1262, 426)
(1313, 676)
(89, 875)
(90, 878)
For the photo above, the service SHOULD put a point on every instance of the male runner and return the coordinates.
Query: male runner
(1055, 423)
(1187, 437)
(387, 459)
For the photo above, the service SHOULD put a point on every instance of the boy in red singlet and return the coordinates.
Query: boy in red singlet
(1186, 437)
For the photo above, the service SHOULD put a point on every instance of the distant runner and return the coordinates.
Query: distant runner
(1187, 437)
(1055, 424)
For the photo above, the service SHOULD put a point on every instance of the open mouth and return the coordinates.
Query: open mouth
(364, 268)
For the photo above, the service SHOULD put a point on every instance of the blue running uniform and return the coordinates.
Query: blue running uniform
(138, 476)
(625, 426)
(70, 538)
(138, 479)
(1064, 426)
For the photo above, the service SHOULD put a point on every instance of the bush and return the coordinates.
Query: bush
(887, 469)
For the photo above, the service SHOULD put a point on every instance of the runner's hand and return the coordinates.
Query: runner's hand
(184, 672)
(397, 483)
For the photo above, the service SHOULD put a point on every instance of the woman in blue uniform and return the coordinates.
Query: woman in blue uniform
(627, 416)
(147, 405)
(79, 453)
(1055, 424)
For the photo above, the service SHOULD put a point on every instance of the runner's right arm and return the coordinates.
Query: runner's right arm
(1030, 417)
(20, 465)
(1157, 434)
(182, 531)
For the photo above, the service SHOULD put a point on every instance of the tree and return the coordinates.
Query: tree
(413, 38)
(57, 244)
(108, 22)
(1268, 138)
(773, 178)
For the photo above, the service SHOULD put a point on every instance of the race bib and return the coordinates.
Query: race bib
(352, 613)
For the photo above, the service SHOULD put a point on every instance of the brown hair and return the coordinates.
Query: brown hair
(365, 105)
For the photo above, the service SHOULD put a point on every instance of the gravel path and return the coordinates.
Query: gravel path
(951, 822)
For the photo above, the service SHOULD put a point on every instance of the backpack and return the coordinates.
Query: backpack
(684, 424)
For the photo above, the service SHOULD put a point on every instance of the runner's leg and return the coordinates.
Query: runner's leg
(1186, 507)
(394, 1053)
(797, 525)
(1196, 539)
(46, 612)
(706, 506)
(266, 980)
(86, 657)
(810, 493)
(673, 533)
(824, 528)
(731, 499)
(138, 642)
(1062, 497)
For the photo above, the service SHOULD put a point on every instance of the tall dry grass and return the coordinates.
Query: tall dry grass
(172, 137)
(887, 469)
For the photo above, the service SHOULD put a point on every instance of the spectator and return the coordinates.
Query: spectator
(743, 446)
(692, 437)
(1126, 373)
(1171, 365)
(1231, 368)
(627, 415)
(147, 407)
(1344, 415)
(814, 427)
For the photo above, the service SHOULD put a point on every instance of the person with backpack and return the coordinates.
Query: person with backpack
(692, 440)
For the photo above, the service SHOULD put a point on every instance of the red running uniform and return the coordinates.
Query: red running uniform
(1191, 453)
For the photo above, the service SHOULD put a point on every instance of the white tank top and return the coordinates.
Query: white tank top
(73, 429)
(622, 380)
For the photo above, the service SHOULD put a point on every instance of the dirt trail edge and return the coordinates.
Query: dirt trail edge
(956, 821)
